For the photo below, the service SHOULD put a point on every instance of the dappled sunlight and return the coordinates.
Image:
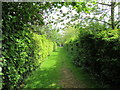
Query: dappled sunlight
(57, 71)
(47, 76)
(60, 44)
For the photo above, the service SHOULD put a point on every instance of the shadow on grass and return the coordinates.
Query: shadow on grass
(83, 76)
(47, 75)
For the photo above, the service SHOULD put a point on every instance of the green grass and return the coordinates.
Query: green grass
(48, 74)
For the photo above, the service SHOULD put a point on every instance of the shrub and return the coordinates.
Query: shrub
(55, 46)
(22, 49)
(98, 53)
(23, 54)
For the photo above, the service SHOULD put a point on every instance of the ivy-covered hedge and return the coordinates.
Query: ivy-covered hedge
(22, 50)
(99, 54)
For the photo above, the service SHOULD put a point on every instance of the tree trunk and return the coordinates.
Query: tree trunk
(119, 16)
(112, 14)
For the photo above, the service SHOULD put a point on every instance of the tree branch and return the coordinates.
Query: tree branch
(99, 20)
(116, 4)
(105, 4)
(117, 22)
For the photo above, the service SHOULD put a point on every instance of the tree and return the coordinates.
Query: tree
(112, 6)
(93, 8)
(70, 33)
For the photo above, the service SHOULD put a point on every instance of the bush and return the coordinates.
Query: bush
(98, 53)
(22, 50)
(17, 59)
(55, 46)
(23, 54)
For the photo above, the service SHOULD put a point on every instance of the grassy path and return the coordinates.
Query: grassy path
(58, 72)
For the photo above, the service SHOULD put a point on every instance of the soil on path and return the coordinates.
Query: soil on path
(68, 80)
(57, 72)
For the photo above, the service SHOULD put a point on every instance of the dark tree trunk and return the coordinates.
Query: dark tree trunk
(112, 14)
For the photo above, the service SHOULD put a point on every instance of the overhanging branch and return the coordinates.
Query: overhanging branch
(105, 4)
(117, 23)
(116, 4)
(99, 20)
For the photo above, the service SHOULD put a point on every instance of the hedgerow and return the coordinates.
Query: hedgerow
(98, 53)
(22, 49)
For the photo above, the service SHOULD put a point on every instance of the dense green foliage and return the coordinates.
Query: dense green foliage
(43, 47)
(23, 49)
(27, 40)
(97, 51)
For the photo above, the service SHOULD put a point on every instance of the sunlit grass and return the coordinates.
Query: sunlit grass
(48, 75)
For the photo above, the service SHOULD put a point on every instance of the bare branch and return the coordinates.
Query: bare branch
(105, 4)
(99, 20)
(117, 23)
(116, 4)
